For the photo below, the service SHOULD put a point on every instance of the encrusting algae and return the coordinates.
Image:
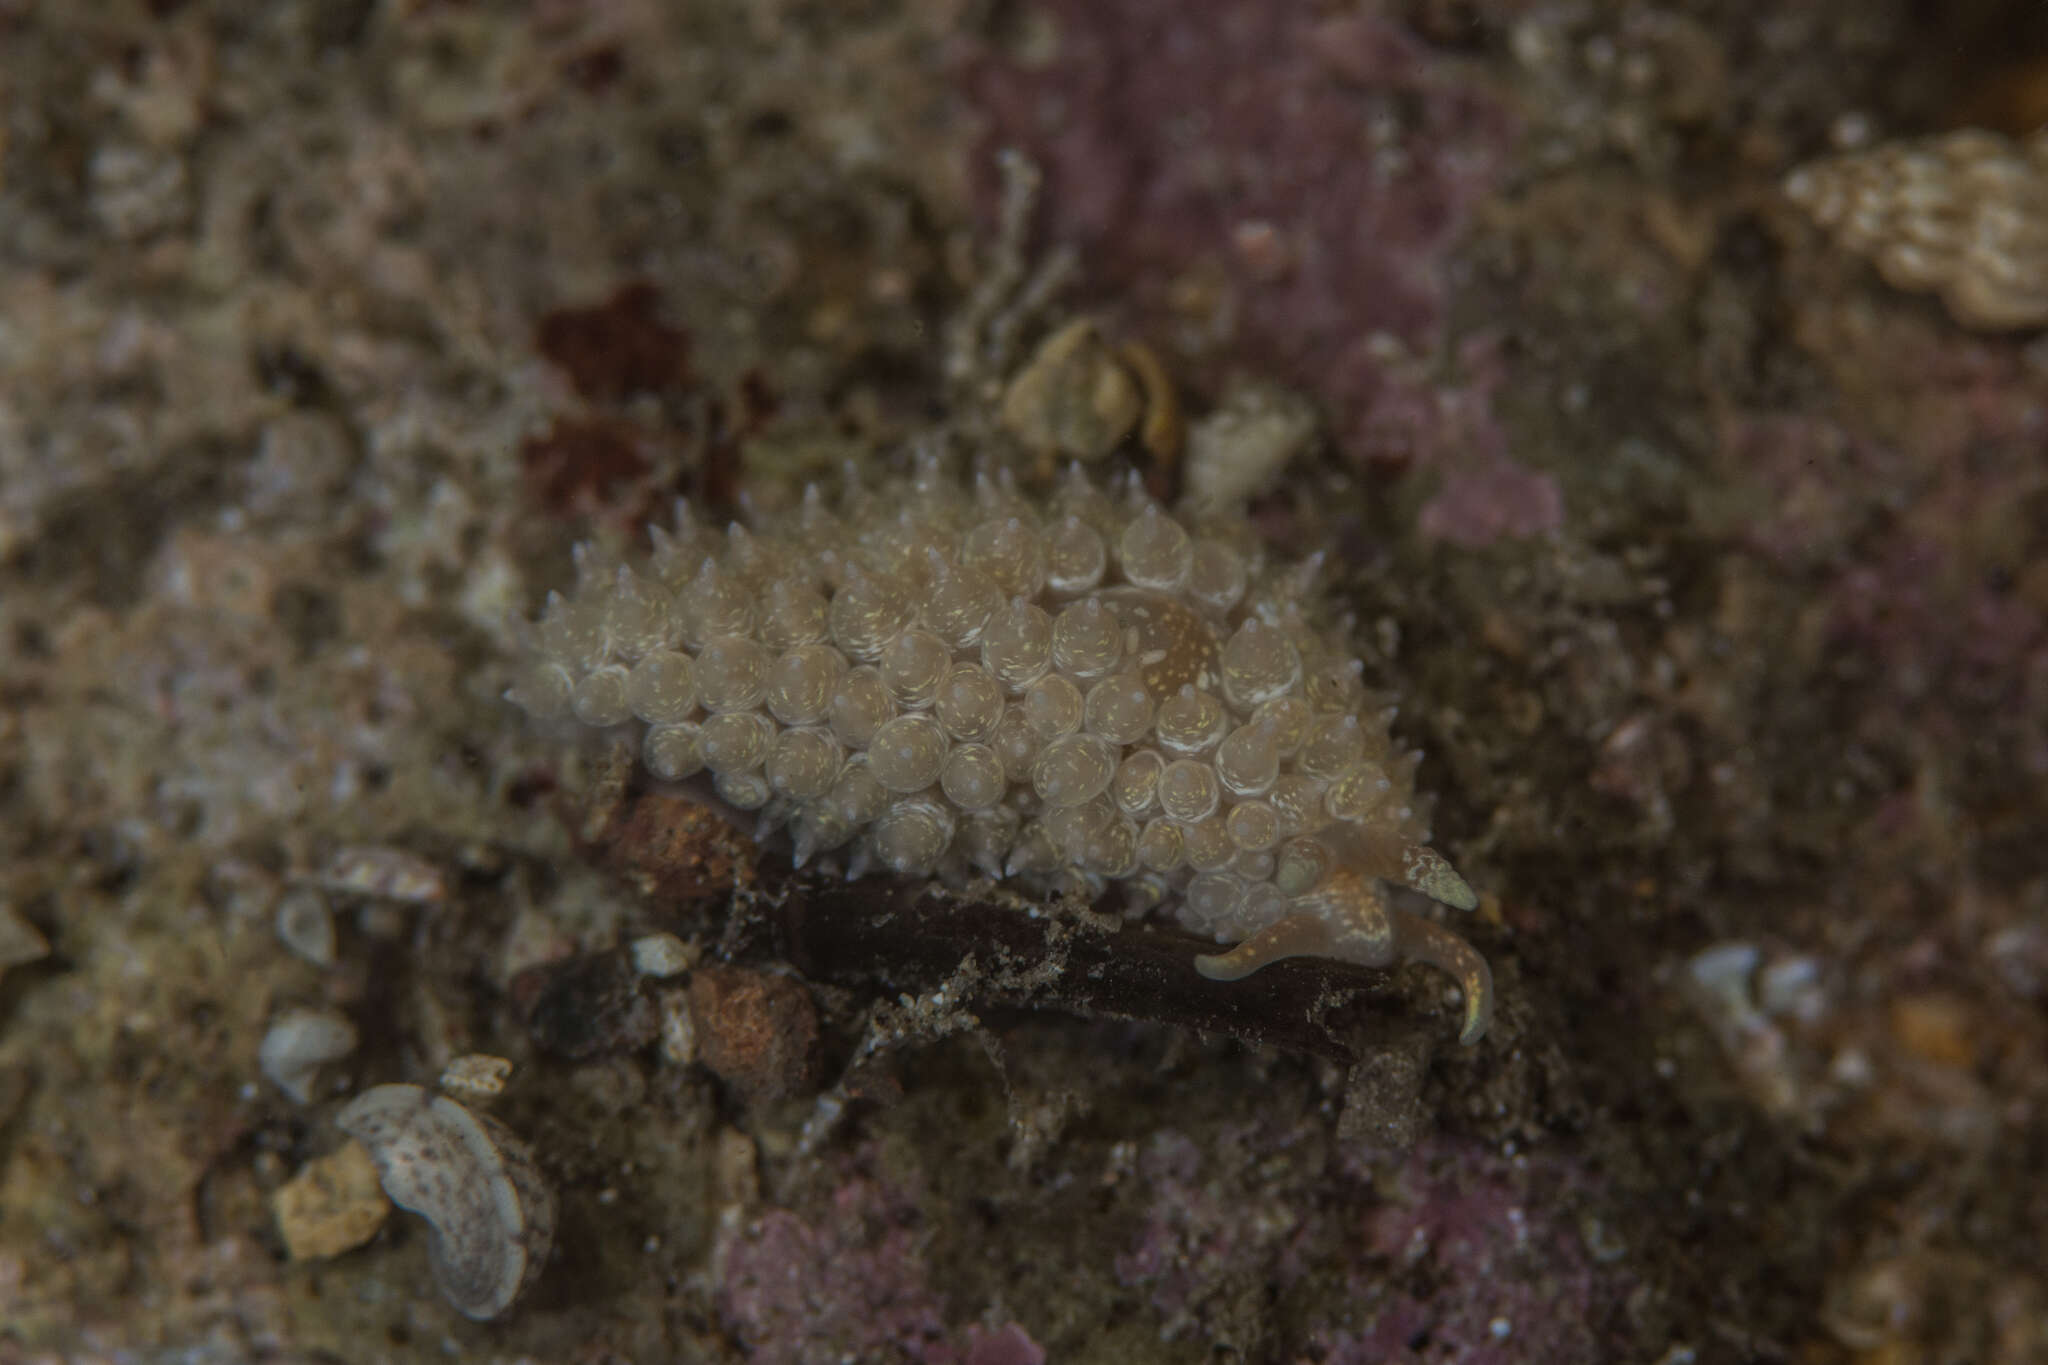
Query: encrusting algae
(944, 680)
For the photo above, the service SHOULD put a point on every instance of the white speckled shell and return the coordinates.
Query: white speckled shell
(491, 1210)
(1964, 214)
(943, 678)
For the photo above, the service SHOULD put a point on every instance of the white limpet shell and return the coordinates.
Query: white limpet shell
(662, 955)
(1089, 690)
(298, 1043)
(489, 1209)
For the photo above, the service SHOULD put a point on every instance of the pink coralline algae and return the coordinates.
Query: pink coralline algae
(1412, 418)
(1940, 642)
(1007, 1345)
(1455, 1268)
(1199, 1232)
(1477, 507)
(1804, 479)
(1940, 591)
(1157, 132)
(1457, 1254)
(850, 1285)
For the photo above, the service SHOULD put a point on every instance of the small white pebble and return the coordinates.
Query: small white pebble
(662, 955)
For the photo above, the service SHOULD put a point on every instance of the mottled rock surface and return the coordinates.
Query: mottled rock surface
(1710, 564)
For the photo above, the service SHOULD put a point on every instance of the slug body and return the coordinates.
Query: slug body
(941, 679)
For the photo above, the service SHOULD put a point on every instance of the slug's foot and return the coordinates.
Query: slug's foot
(1347, 919)
(1295, 936)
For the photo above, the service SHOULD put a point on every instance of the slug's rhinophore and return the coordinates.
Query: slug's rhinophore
(940, 679)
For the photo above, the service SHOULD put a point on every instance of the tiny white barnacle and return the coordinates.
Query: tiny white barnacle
(1089, 690)
(490, 1211)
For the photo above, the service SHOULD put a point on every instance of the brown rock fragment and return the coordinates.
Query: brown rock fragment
(756, 1031)
(679, 852)
(1935, 1027)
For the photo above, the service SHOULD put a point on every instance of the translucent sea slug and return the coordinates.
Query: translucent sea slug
(942, 679)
